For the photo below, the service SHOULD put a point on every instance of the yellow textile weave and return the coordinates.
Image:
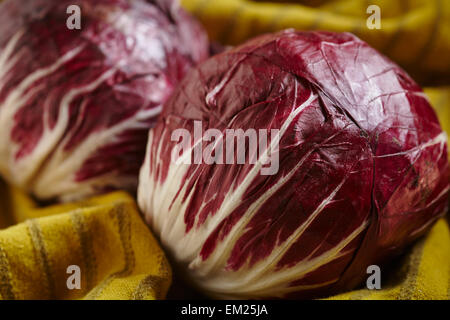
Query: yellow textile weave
(105, 237)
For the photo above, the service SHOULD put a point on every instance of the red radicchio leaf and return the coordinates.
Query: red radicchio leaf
(76, 105)
(363, 168)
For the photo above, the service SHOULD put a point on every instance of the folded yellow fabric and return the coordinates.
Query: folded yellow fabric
(440, 100)
(117, 256)
(414, 33)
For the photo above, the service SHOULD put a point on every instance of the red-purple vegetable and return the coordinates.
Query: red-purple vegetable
(76, 104)
(363, 168)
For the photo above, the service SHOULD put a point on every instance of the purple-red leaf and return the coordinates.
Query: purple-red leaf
(363, 168)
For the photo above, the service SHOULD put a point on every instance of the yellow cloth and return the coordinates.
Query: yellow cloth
(415, 34)
(105, 237)
(440, 100)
